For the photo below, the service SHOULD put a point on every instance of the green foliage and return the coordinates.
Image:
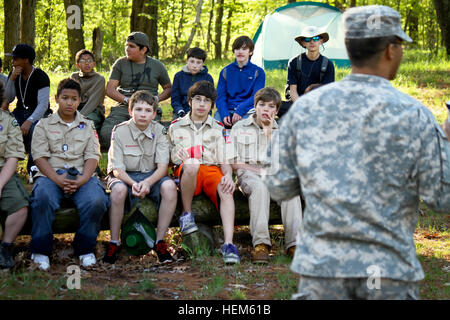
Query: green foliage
(175, 21)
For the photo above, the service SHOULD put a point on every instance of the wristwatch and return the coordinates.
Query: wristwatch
(125, 100)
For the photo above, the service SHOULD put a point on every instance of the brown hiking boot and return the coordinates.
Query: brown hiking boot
(290, 252)
(260, 253)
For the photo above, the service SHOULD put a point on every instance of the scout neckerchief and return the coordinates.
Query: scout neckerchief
(22, 97)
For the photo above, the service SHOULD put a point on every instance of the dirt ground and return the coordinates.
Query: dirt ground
(142, 277)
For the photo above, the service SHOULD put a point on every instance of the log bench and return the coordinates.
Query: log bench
(66, 218)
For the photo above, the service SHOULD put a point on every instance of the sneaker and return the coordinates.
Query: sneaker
(6, 256)
(290, 252)
(42, 260)
(230, 253)
(187, 223)
(88, 260)
(260, 253)
(111, 253)
(163, 255)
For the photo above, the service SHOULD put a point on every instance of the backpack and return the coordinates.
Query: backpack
(298, 73)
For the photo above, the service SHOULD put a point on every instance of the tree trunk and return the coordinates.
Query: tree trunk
(97, 44)
(218, 30)
(48, 15)
(198, 12)
(74, 23)
(352, 3)
(177, 35)
(208, 35)
(144, 18)
(27, 21)
(228, 32)
(11, 29)
(443, 16)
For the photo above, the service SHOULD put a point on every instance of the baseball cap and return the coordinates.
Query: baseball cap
(372, 22)
(311, 31)
(23, 51)
(139, 38)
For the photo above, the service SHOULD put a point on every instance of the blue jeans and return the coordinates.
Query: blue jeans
(155, 189)
(91, 202)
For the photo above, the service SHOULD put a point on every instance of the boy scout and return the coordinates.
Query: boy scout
(67, 151)
(250, 138)
(198, 148)
(138, 162)
(13, 196)
(363, 160)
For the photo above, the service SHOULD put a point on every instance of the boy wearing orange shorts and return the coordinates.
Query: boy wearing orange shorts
(199, 150)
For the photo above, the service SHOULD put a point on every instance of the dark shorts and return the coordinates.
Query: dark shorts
(14, 196)
(154, 194)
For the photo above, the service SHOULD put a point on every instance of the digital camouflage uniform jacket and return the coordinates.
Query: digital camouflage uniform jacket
(362, 153)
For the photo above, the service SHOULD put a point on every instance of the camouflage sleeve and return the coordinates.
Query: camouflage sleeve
(433, 166)
(281, 177)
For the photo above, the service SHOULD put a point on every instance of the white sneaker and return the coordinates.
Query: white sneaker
(42, 260)
(88, 260)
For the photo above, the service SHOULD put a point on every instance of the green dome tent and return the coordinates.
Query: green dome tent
(274, 39)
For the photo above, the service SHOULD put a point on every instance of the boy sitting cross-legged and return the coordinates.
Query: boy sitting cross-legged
(66, 151)
(251, 137)
(198, 148)
(138, 160)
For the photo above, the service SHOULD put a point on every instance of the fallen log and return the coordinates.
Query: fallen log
(67, 220)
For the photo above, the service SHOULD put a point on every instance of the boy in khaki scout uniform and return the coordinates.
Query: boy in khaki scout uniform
(138, 161)
(198, 148)
(13, 196)
(250, 138)
(66, 150)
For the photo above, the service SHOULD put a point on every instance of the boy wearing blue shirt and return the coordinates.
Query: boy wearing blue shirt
(238, 83)
(193, 71)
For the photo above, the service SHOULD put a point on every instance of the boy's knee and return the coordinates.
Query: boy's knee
(191, 166)
(20, 214)
(118, 193)
(169, 189)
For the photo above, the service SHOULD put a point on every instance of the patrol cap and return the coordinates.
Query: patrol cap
(139, 38)
(23, 51)
(372, 22)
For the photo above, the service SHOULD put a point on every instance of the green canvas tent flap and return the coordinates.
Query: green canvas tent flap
(274, 39)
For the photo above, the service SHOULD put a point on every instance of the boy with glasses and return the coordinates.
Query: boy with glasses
(92, 88)
(199, 150)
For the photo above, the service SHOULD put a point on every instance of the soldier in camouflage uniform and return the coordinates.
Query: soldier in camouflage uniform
(362, 153)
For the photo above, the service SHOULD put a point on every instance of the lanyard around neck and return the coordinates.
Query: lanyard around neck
(22, 96)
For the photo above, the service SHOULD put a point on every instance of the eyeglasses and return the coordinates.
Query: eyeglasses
(315, 39)
(86, 61)
(200, 99)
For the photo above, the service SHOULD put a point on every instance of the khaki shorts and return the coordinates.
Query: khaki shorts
(14, 196)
